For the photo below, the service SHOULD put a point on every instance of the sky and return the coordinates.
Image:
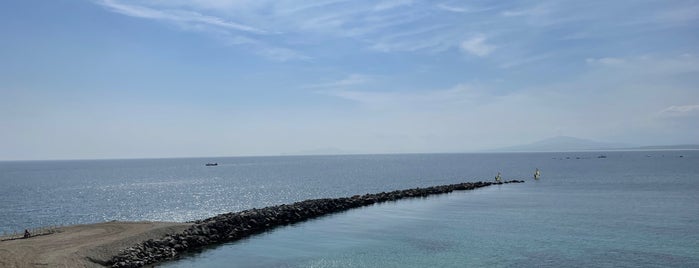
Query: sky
(92, 79)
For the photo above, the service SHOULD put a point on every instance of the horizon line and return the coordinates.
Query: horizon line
(494, 151)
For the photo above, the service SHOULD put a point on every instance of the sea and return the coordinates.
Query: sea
(588, 209)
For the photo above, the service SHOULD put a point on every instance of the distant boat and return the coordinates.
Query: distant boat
(602, 156)
(211, 164)
(498, 178)
(537, 174)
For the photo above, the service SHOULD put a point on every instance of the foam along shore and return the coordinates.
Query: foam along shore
(88, 245)
(234, 226)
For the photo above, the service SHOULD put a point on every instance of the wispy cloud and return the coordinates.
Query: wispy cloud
(350, 80)
(402, 100)
(390, 26)
(477, 46)
(648, 66)
(288, 7)
(605, 61)
(389, 4)
(680, 111)
(386, 26)
(463, 9)
(422, 38)
(531, 11)
(232, 33)
(270, 52)
(458, 72)
(452, 8)
(280, 54)
(180, 16)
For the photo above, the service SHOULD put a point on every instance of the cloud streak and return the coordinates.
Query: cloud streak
(232, 33)
(402, 101)
(477, 46)
(387, 26)
(453, 8)
(179, 16)
(350, 80)
(376, 76)
(390, 26)
(680, 111)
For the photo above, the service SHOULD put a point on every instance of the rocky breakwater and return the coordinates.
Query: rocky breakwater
(234, 226)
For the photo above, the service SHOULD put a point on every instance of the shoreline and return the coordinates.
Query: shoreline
(136, 244)
(85, 245)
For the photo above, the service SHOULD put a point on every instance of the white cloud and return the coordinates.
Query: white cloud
(534, 11)
(390, 4)
(181, 16)
(680, 111)
(386, 26)
(647, 66)
(371, 24)
(231, 33)
(422, 38)
(280, 53)
(605, 61)
(462, 9)
(290, 7)
(350, 80)
(477, 46)
(378, 99)
(447, 118)
(635, 109)
(452, 8)
(403, 101)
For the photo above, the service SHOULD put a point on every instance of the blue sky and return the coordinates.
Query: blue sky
(156, 78)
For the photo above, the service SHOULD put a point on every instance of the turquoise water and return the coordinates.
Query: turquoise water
(631, 209)
(628, 211)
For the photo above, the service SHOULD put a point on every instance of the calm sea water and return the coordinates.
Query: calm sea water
(631, 209)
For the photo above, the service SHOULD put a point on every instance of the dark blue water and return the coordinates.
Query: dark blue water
(631, 209)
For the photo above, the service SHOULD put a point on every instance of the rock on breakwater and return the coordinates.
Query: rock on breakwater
(234, 226)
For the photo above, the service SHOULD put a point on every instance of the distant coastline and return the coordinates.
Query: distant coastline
(634, 149)
(573, 144)
(669, 147)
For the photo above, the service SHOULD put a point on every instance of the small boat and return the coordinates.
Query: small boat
(537, 174)
(602, 156)
(498, 178)
(211, 164)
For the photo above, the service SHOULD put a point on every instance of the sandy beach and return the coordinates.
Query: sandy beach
(81, 245)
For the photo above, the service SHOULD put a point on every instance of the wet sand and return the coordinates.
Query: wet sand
(82, 245)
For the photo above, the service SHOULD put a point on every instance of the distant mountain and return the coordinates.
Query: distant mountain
(564, 143)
